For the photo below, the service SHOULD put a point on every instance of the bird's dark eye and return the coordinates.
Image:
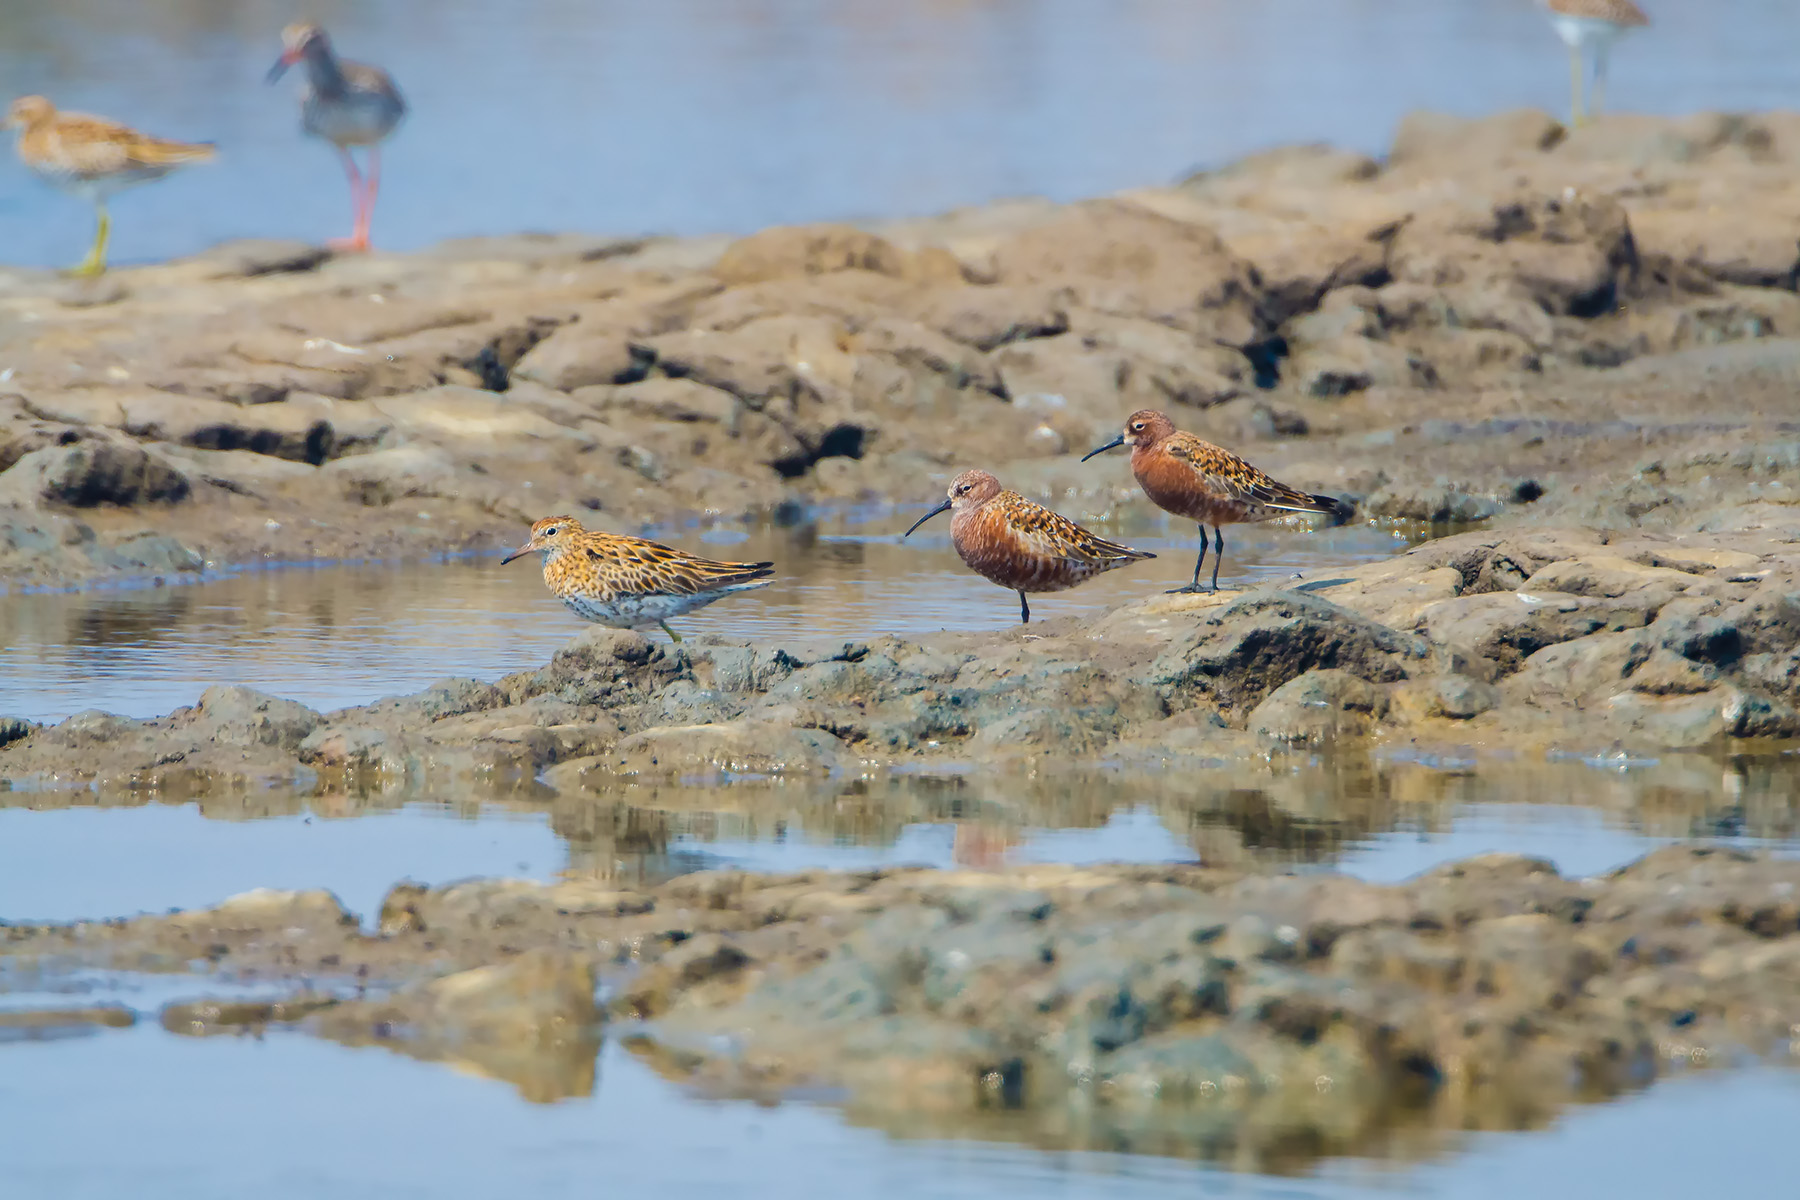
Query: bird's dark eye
(553, 531)
(1138, 428)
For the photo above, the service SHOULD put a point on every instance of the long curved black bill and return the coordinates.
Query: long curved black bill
(1114, 444)
(943, 506)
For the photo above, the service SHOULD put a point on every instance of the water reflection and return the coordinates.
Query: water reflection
(336, 636)
(69, 854)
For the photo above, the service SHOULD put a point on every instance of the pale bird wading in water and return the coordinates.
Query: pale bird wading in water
(93, 158)
(1206, 483)
(1008, 540)
(628, 582)
(1593, 25)
(348, 104)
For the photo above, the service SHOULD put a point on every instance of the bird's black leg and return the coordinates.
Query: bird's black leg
(1024, 610)
(1198, 563)
(1218, 553)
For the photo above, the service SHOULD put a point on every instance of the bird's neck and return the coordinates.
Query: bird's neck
(326, 76)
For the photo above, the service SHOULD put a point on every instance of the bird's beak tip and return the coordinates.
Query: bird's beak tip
(1118, 441)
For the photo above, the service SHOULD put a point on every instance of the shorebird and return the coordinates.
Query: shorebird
(1206, 483)
(629, 582)
(1010, 541)
(93, 158)
(348, 104)
(1595, 23)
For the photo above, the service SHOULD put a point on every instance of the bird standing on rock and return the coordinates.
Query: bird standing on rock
(628, 582)
(348, 104)
(1010, 541)
(1200, 481)
(1595, 23)
(93, 158)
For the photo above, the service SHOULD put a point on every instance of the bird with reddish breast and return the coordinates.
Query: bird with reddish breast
(348, 104)
(1008, 540)
(630, 582)
(1206, 483)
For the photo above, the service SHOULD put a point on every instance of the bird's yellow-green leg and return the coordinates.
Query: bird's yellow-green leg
(95, 262)
(672, 634)
(1575, 114)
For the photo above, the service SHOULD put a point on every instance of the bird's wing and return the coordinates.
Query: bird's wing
(641, 565)
(1039, 531)
(1225, 474)
(91, 146)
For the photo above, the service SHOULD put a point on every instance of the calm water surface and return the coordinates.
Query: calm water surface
(290, 1116)
(171, 1118)
(683, 116)
(337, 636)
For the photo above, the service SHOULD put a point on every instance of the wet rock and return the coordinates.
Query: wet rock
(1507, 628)
(1320, 706)
(1460, 698)
(241, 716)
(1262, 641)
(14, 728)
(1440, 504)
(384, 476)
(733, 748)
(90, 472)
(352, 748)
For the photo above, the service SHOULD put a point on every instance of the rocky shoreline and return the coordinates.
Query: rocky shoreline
(1577, 349)
(1503, 320)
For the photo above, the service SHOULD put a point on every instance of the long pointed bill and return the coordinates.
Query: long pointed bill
(943, 506)
(521, 552)
(1112, 445)
(281, 65)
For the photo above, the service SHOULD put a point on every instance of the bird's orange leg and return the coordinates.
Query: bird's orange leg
(359, 202)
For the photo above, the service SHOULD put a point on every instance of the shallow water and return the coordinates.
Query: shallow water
(685, 116)
(289, 1115)
(344, 635)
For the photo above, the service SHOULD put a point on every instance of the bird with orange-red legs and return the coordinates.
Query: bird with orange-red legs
(93, 158)
(1192, 478)
(348, 104)
(1017, 544)
(631, 582)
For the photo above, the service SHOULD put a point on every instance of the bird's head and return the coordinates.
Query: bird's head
(1143, 428)
(297, 41)
(27, 111)
(965, 491)
(549, 536)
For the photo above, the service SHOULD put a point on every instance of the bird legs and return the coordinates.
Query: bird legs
(673, 636)
(362, 198)
(95, 262)
(1218, 555)
(1576, 70)
(1024, 610)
